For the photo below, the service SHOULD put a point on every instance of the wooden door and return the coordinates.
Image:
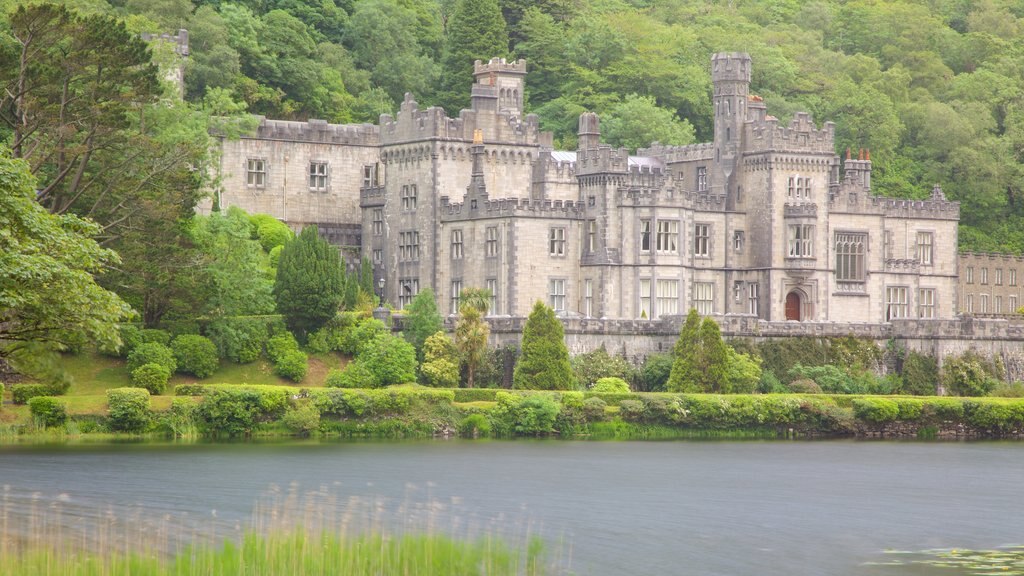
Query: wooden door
(793, 306)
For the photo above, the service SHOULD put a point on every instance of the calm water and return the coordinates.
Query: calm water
(709, 508)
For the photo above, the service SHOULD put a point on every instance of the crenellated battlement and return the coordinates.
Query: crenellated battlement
(317, 131)
(498, 126)
(936, 210)
(674, 154)
(505, 207)
(603, 159)
(179, 39)
(800, 136)
(497, 65)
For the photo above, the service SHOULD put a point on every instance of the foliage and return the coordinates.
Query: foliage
(611, 385)
(269, 231)
(743, 373)
(440, 367)
(966, 376)
(355, 375)
(22, 393)
(155, 335)
(49, 299)
(301, 417)
(590, 367)
(684, 375)
(471, 332)
(476, 31)
(804, 386)
(390, 359)
(152, 353)
(281, 344)
(129, 409)
(422, 320)
(195, 355)
(240, 340)
(655, 372)
(234, 278)
(594, 409)
(364, 331)
(292, 365)
(638, 121)
(544, 361)
(528, 416)
(48, 411)
(877, 410)
(920, 374)
(309, 283)
(703, 362)
(153, 377)
(236, 410)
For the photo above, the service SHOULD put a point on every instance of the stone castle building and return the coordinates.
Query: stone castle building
(766, 221)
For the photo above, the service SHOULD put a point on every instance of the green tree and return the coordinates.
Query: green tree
(390, 359)
(422, 320)
(49, 299)
(235, 277)
(638, 121)
(471, 332)
(309, 283)
(544, 361)
(713, 366)
(476, 31)
(685, 375)
(440, 366)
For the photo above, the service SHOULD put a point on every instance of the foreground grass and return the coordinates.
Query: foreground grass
(299, 553)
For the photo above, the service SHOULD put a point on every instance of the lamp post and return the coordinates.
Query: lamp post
(380, 284)
(381, 313)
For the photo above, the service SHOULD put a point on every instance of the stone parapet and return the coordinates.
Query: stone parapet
(504, 207)
(318, 131)
(800, 136)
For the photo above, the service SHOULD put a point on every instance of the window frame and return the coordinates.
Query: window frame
(666, 240)
(319, 181)
(457, 246)
(704, 298)
(926, 307)
(456, 295)
(491, 248)
(897, 308)
(801, 243)
(666, 296)
(256, 172)
(558, 300)
(702, 240)
(925, 248)
(556, 242)
(645, 235)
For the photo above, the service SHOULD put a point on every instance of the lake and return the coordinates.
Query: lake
(606, 508)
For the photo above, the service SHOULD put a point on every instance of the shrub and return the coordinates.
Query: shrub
(1000, 416)
(474, 426)
(476, 394)
(22, 393)
(235, 410)
(611, 385)
(152, 353)
(804, 386)
(181, 419)
(301, 417)
(292, 365)
(332, 337)
(189, 389)
(275, 255)
(270, 231)
(594, 409)
(129, 409)
(531, 415)
(131, 336)
(440, 366)
(195, 355)
(655, 372)
(156, 335)
(875, 409)
(48, 411)
(920, 375)
(355, 375)
(281, 344)
(770, 384)
(966, 376)
(240, 340)
(2, 389)
(631, 410)
(153, 377)
(544, 362)
(390, 359)
(354, 339)
(592, 366)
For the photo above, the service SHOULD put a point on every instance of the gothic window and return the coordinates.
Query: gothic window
(378, 221)
(408, 288)
(998, 305)
(850, 250)
(556, 289)
(801, 241)
(1013, 304)
(591, 235)
(737, 241)
(456, 293)
(702, 179)
(645, 297)
(318, 176)
(970, 303)
(753, 306)
(457, 244)
(556, 241)
(668, 237)
(409, 246)
(984, 303)
(588, 298)
(926, 303)
(668, 297)
(491, 285)
(378, 256)
(409, 197)
(702, 240)
(645, 235)
(925, 241)
(704, 297)
(897, 304)
(799, 188)
(491, 241)
(256, 172)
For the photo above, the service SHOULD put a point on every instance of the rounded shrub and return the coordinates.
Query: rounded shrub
(594, 409)
(281, 344)
(240, 340)
(655, 372)
(390, 359)
(152, 353)
(355, 375)
(129, 409)
(611, 385)
(48, 411)
(292, 365)
(153, 377)
(275, 255)
(301, 418)
(196, 355)
(155, 335)
(22, 393)
(270, 231)
(354, 339)
(131, 336)
(804, 386)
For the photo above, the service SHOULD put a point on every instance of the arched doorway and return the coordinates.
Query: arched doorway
(794, 306)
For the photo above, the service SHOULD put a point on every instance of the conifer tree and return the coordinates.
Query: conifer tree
(685, 366)
(714, 358)
(422, 320)
(476, 31)
(310, 282)
(544, 361)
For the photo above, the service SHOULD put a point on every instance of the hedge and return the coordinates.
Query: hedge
(129, 409)
(48, 411)
(476, 394)
(22, 393)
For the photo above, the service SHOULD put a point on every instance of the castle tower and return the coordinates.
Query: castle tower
(589, 131)
(506, 79)
(730, 75)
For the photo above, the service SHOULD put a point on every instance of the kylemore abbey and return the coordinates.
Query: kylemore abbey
(767, 227)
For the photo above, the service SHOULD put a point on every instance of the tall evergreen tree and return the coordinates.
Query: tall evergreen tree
(714, 358)
(310, 282)
(422, 320)
(685, 370)
(476, 31)
(544, 362)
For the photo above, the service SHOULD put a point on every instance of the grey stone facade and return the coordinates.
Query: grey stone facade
(766, 221)
(990, 284)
